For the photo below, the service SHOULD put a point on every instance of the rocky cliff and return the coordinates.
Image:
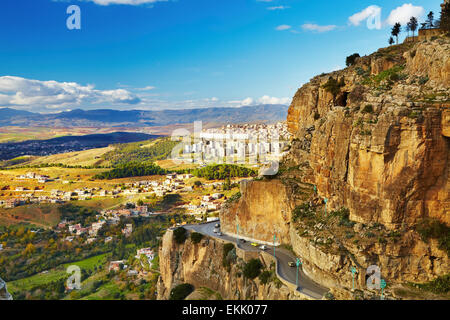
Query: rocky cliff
(201, 265)
(374, 139)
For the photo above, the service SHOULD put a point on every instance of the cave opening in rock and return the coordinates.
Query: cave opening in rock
(342, 99)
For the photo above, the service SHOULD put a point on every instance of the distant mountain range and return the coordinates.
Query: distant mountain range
(137, 118)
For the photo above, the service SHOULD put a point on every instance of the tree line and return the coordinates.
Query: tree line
(430, 23)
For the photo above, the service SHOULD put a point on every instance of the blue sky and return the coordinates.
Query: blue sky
(180, 53)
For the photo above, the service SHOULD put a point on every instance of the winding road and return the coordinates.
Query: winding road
(305, 285)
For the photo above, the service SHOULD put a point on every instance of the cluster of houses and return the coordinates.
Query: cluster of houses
(111, 217)
(172, 182)
(33, 176)
(120, 264)
(208, 203)
(241, 143)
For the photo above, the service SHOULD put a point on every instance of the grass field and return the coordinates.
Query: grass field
(45, 215)
(91, 157)
(27, 284)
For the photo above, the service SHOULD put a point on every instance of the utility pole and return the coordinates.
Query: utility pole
(353, 270)
(274, 239)
(298, 265)
(382, 285)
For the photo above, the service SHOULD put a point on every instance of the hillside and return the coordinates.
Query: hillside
(137, 118)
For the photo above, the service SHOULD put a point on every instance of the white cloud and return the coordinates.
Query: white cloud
(283, 27)
(278, 8)
(16, 91)
(147, 88)
(273, 100)
(263, 100)
(129, 2)
(404, 13)
(368, 12)
(317, 28)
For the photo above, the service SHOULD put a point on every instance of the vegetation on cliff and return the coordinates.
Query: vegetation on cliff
(180, 235)
(181, 291)
(252, 269)
(434, 229)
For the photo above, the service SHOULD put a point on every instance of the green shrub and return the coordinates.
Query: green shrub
(351, 60)
(180, 235)
(265, 277)
(344, 217)
(228, 255)
(439, 285)
(181, 291)
(196, 237)
(349, 235)
(252, 269)
(303, 211)
(370, 234)
(423, 80)
(434, 229)
(368, 108)
(329, 296)
(334, 86)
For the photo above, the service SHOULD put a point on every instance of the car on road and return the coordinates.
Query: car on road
(254, 244)
(216, 230)
(263, 247)
(217, 225)
(219, 234)
(291, 264)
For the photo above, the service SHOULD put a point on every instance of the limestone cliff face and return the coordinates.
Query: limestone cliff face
(201, 266)
(263, 210)
(380, 147)
(390, 164)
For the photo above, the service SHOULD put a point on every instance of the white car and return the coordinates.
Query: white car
(219, 234)
(263, 247)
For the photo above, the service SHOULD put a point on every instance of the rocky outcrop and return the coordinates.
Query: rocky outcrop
(262, 211)
(387, 163)
(381, 149)
(4, 294)
(201, 266)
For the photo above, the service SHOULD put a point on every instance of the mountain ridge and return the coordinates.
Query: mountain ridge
(110, 117)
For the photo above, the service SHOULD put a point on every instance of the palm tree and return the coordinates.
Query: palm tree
(396, 30)
(391, 41)
(408, 28)
(430, 20)
(413, 23)
(445, 17)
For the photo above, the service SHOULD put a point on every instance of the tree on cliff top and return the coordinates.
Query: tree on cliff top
(430, 20)
(412, 24)
(445, 18)
(352, 59)
(396, 29)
